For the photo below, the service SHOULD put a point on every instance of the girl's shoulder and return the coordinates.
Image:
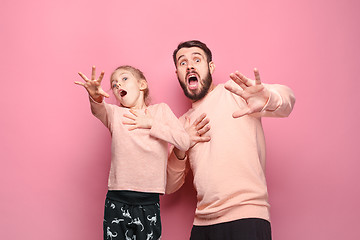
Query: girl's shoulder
(163, 107)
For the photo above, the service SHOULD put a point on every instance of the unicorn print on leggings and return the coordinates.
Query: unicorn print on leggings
(137, 221)
(110, 234)
(152, 219)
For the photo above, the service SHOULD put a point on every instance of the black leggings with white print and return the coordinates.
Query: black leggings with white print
(131, 215)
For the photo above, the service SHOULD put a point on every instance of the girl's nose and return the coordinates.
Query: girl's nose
(116, 85)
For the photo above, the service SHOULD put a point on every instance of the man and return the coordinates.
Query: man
(229, 170)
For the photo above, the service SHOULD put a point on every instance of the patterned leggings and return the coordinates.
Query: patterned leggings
(132, 215)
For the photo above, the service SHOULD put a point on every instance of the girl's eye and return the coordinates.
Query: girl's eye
(114, 85)
(125, 78)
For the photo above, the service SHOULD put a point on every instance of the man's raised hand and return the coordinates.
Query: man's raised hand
(252, 91)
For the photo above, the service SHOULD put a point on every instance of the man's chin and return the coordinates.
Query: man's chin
(198, 93)
(194, 95)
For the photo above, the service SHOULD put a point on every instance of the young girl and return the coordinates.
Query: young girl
(139, 152)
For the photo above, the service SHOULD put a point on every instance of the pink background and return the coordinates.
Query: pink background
(55, 154)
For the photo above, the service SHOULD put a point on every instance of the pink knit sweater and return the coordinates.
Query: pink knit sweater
(229, 171)
(139, 157)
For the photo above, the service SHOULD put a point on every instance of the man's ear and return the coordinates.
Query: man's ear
(211, 67)
(143, 85)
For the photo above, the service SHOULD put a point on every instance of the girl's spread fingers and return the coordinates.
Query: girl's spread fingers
(128, 122)
(134, 112)
(101, 76)
(129, 116)
(93, 74)
(80, 83)
(83, 76)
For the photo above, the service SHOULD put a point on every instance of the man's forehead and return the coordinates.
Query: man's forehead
(189, 51)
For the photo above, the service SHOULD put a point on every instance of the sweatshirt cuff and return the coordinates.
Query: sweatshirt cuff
(93, 101)
(177, 164)
(156, 129)
(273, 103)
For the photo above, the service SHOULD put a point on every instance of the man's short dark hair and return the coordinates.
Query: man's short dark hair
(193, 43)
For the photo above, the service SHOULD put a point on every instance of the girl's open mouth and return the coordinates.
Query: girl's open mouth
(122, 92)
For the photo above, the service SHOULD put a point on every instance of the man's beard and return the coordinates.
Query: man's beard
(203, 91)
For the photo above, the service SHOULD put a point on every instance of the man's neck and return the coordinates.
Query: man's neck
(212, 87)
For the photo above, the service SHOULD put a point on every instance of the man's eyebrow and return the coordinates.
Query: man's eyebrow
(180, 57)
(197, 53)
(194, 53)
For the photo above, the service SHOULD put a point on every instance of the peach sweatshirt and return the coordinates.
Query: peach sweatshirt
(229, 170)
(139, 157)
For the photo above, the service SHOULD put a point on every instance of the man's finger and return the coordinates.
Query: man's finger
(202, 139)
(257, 76)
(243, 79)
(199, 119)
(204, 130)
(237, 80)
(234, 90)
(254, 89)
(202, 124)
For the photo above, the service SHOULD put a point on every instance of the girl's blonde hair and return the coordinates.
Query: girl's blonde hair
(139, 75)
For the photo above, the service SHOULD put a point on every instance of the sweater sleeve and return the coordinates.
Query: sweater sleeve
(281, 101)
(167, 127)
(102, 111)
(176, 172)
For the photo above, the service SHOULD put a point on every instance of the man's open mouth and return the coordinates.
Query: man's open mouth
(122, 92)
(193, 81)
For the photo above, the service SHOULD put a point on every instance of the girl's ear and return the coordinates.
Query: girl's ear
(143, 85)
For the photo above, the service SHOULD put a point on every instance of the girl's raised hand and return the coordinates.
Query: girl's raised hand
(93, 85)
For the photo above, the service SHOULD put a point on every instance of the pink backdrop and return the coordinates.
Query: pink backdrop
(55, 154)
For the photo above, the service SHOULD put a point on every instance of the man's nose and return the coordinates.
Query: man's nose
(190, 67)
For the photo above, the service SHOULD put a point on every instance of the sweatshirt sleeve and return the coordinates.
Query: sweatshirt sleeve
(281, 101)
(176, 172)
(102, 111)
(167, 127)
